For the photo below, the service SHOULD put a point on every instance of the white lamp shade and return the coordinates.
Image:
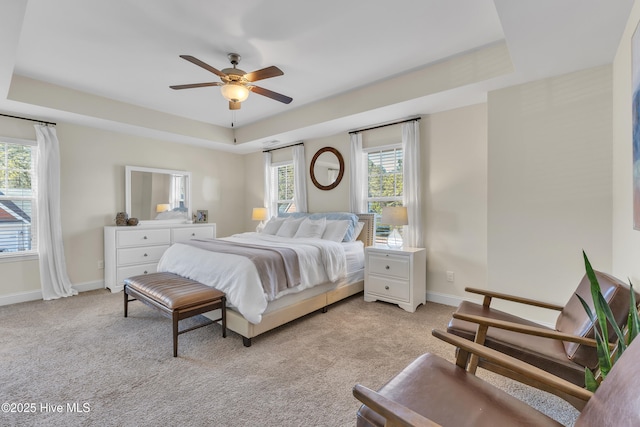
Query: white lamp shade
(394, 215)
(259, 214)
(234, 92)
(163, 207)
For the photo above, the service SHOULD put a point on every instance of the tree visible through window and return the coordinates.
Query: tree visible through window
(284, 179)
(384, 184)
(17, 198)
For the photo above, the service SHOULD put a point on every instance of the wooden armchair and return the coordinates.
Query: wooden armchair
(432, 391)
(564, 351)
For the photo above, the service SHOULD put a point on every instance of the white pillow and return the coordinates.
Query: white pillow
(311, 228)
(273, 225)
(359, 228)
(289, 227)
(335, 230)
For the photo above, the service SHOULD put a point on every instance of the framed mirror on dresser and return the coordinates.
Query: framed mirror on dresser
(153, 194)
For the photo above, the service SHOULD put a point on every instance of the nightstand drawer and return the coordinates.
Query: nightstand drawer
(142, 237)
(389, 265)
(140, 255)
(387, 287)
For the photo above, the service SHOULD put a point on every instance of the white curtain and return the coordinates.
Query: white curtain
(299, 179)
(270, 195)
(53, 271)
(412, 189)
(358, 168)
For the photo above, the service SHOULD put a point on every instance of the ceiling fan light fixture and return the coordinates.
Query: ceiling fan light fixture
(234, 92)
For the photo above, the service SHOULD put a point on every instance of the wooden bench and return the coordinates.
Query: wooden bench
(177, 298)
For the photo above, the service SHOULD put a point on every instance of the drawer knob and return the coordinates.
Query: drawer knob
(193, 234)
(145, 255)
(386, 288)
(145, 237)
(387, 267)
(145, 272)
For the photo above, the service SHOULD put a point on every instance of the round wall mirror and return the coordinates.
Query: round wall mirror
(327, 168)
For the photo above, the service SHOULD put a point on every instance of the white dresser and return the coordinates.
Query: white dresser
(131, 251)
(398, 276)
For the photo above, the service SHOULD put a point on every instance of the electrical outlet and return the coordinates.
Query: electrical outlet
(100, 265)
(451, 276)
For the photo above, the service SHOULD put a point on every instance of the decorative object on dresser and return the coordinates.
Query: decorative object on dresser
(132, 221)
(132, 251)
(395, 216)
(121, 218)
(202, 216)
(396, 275)
(259, 214)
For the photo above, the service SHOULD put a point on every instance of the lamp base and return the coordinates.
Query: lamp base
(394, 240)
(260, 227)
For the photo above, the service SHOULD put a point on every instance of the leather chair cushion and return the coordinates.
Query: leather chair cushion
(446, 394)
(545, 353)
(173, 291)
(574, 320)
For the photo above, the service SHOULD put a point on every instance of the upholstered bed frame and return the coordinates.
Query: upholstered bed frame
(274, 318)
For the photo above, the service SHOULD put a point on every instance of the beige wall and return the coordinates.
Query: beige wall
(92, 192)
(550, 188)
(626, 240)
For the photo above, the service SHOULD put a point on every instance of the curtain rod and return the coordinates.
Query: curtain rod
(279, 148)
(385, 125)
(26, 118)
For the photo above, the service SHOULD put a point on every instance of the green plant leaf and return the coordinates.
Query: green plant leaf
(602, 347)
(633, 323)
(590, 381)
(597, 302)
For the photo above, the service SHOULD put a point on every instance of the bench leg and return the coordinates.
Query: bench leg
(224, 317)
(126, 300)
(175, 334)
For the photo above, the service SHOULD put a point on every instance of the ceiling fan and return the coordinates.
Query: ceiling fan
(235, 83)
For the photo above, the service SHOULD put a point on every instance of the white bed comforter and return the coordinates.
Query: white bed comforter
(321, 261)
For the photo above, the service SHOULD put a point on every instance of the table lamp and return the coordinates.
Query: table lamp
(259, 214)
(395, 216)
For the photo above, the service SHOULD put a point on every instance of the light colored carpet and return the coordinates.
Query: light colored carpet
(81, 350)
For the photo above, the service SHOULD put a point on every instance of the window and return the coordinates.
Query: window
(284, 181)
(18, 198)
(384, 183)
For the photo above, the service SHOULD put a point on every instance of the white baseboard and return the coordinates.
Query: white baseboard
(37, 295)
(20, 297)
(445, 299)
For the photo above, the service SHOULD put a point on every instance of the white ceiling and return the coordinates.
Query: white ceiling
(127, 51)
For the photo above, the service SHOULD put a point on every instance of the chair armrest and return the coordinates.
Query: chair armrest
(525, 329)
(397, 415)
(490, 294)
(514, 365)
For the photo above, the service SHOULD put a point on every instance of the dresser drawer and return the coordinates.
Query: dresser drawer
(145, 254)
(142, 237)
(387, 287)
(389, 265)
(183, 234)
(135, 270)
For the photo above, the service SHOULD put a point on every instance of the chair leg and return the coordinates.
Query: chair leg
(175, 334)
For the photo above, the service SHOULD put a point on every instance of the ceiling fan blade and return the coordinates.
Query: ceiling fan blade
(192, 85)
(203, 65)
(264, 73)
(234, 105)
(271, 94)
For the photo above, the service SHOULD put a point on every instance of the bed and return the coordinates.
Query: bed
(338, 271)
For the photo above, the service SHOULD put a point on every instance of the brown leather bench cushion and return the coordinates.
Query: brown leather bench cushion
(438, 389)
(545, 353)
(173, 291)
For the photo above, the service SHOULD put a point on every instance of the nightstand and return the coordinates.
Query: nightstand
(398, 276)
